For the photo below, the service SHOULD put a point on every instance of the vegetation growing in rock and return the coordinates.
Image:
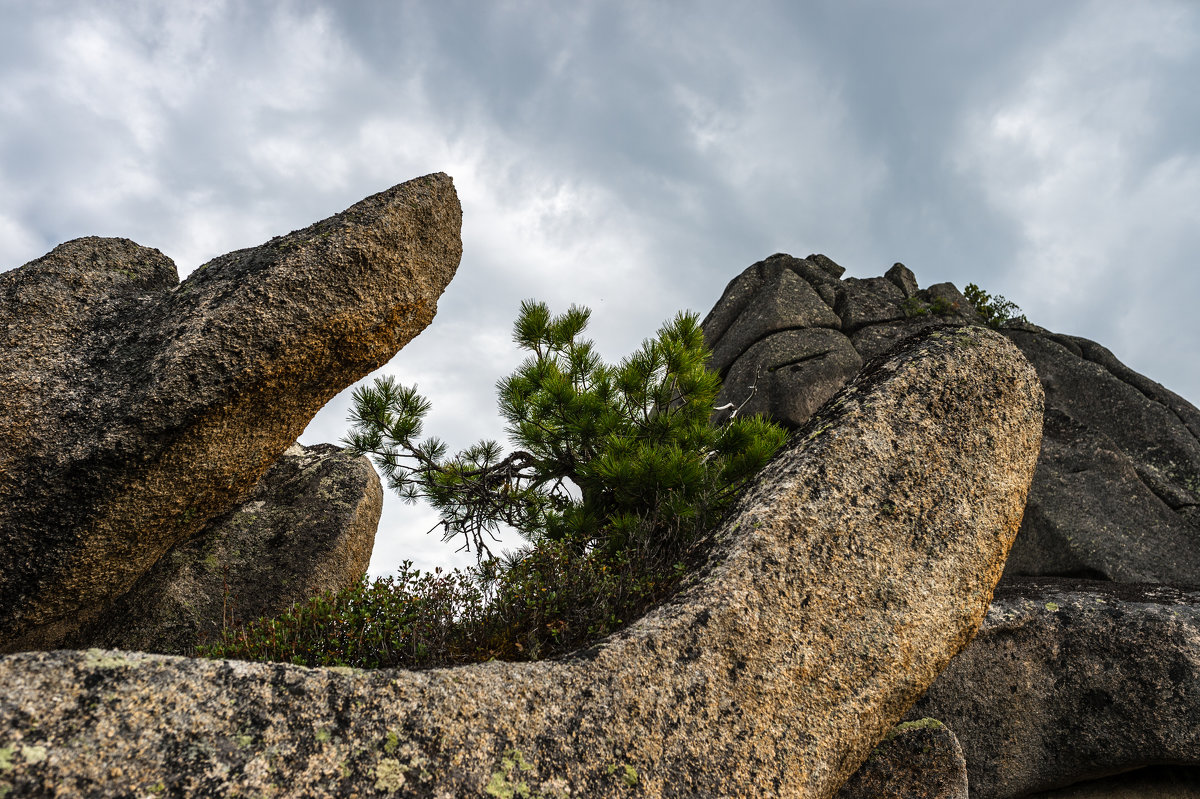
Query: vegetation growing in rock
(939, 306)
(995, 310)
(913, 306)
(618, 478)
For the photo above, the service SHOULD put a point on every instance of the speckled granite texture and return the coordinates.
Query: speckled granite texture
(1074, 680)
(134, 408)
(862, 560)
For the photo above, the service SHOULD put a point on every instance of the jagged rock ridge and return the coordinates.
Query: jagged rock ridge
(1117, 490)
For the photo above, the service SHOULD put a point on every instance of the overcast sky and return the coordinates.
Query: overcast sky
(632, 157)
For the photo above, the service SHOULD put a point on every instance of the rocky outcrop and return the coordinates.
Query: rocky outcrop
(916, 760)
(1074, 680)
(1117, 490)
(134, 409)
(787, 332)
(844, 580)
(307, 527)
(1117, 494)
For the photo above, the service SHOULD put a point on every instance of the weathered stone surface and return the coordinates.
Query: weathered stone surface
(877, 339)
(789, 375)
(904, 279)
(916, 760)
(868, 302)
(842, 583)
(1117, 491)
(783, 301)
(788, 369)
(306, 528)
(819, 272)
(771, 295)
(133, 410)
(1073, 680)
(947, 295)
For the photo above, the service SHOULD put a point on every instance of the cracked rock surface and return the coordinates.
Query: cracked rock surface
(134, 408)
(860, 562)
(1117, 490)
(1073, 680)
(1117, 493)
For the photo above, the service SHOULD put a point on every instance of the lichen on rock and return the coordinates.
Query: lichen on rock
(848, 575)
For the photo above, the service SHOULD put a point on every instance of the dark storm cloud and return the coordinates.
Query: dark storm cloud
(632, 156)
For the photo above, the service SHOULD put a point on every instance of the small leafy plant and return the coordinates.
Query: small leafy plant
(915, 306)
(995, 310)
(617, 480)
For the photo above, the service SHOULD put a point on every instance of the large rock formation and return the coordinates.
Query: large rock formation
(1117, 490)
(134, 409)
(917, 760)
(862, 559)
(307, 527)
(1117, 494)
(1073, 680)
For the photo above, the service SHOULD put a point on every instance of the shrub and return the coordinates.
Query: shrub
(995, 310)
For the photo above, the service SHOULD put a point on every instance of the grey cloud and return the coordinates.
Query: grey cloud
(629, 156)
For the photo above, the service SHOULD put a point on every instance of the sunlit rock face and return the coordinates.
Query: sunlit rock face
(134, 408)
(859, 563)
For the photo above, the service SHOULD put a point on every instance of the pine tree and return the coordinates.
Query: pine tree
(617, 476)
(608, 458)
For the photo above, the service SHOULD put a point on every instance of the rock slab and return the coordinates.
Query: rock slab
(308, 527)
(917, 760)
(1072, 680)
(134, 408)
(844, 580)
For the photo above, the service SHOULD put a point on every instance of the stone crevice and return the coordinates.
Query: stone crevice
(740, 353)
(798, 361)
(1151, 397)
